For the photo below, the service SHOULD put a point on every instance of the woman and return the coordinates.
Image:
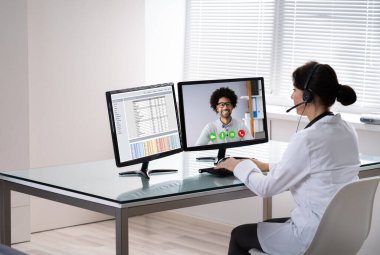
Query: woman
(318, 161)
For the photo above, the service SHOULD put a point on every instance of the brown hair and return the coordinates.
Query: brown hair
(323, 83)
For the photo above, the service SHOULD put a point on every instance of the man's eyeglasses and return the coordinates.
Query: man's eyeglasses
(228, 104)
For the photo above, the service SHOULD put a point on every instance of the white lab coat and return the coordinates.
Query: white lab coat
(318, 161)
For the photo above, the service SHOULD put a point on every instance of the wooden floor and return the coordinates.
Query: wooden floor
(154, 234)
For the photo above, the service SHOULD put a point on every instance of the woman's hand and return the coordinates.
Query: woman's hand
(228, 164)
(231, 163)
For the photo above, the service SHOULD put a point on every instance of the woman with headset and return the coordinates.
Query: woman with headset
(318, 161)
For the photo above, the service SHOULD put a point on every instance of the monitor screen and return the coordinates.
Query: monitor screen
(219, 114)
(144, 123)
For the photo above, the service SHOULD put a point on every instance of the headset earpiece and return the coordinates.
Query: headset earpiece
(307, 93)
(307, 96)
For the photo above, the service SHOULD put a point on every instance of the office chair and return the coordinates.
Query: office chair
(346, 222)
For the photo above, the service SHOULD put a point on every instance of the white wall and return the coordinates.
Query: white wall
(14, 102)
(77, 51)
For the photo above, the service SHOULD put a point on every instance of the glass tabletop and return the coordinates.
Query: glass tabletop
(369, 160)
(101, 179)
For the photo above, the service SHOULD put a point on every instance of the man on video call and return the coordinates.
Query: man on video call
(224, 129)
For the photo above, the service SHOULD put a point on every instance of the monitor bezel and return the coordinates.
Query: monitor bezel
(113, 129)
(185, 146)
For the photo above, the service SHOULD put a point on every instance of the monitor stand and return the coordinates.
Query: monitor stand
(217, 159)
(221, 155)
(145, 172)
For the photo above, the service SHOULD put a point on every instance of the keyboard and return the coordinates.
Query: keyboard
(221, 172)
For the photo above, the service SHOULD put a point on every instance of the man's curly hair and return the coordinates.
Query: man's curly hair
(222, 92)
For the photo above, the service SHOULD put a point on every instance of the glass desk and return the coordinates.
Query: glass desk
(97, 186)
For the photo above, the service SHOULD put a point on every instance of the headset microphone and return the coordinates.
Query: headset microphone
(307, 96)
(295, 106)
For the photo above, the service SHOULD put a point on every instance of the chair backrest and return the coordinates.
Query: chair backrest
(346, 222)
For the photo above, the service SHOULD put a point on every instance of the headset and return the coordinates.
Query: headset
(307, 93)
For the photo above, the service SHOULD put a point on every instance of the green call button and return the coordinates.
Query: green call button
(212, 137)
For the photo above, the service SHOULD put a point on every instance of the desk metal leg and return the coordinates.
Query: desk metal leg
(121, 221)
(267, 208)
(5, 214)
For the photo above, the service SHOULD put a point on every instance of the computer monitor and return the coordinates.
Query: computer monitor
(205, 105)
(144, 126)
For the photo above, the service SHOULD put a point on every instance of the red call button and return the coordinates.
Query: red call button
(241, 133)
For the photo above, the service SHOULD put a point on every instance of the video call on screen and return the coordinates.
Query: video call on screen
(248, 115)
